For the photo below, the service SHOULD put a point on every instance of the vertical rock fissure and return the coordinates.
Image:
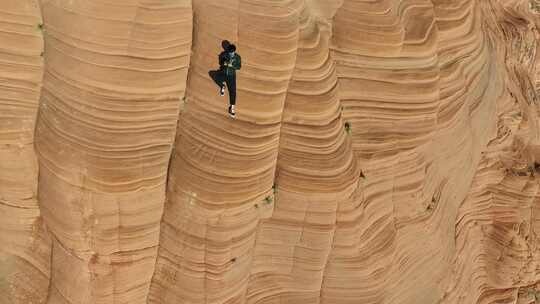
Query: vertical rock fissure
(176, 137)
(275, 167)
(43, 223)
(350, 151)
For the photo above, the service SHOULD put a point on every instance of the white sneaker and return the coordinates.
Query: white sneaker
(231, 112)
(222, 91)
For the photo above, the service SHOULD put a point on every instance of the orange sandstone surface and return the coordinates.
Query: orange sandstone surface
(384, 151)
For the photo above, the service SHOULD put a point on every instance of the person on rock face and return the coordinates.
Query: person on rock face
(229, 62)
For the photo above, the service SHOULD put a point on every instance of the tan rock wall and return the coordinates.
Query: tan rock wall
(383, 152)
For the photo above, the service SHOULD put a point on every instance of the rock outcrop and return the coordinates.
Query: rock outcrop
(383, 152)
(25, 249)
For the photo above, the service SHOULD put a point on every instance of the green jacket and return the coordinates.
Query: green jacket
(236, 62)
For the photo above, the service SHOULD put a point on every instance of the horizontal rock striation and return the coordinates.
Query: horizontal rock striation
(113, 80)
(383, 152)
(24, 243)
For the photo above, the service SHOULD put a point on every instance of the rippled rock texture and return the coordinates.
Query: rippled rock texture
(383, 152)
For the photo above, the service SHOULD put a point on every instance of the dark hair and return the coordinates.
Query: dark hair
(225, 44)
(231, 48)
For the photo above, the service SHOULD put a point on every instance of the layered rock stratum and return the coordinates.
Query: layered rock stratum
(384, 151)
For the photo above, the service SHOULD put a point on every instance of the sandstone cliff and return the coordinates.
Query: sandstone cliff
(383, 152)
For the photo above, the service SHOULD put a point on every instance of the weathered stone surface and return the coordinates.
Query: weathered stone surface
(383, 152)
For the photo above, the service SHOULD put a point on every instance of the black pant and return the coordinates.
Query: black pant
(219, 77)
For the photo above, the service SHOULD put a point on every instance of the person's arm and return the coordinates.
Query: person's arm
(222, 59)
(237, 63)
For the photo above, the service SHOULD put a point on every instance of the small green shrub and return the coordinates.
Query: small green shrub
(348, 128)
